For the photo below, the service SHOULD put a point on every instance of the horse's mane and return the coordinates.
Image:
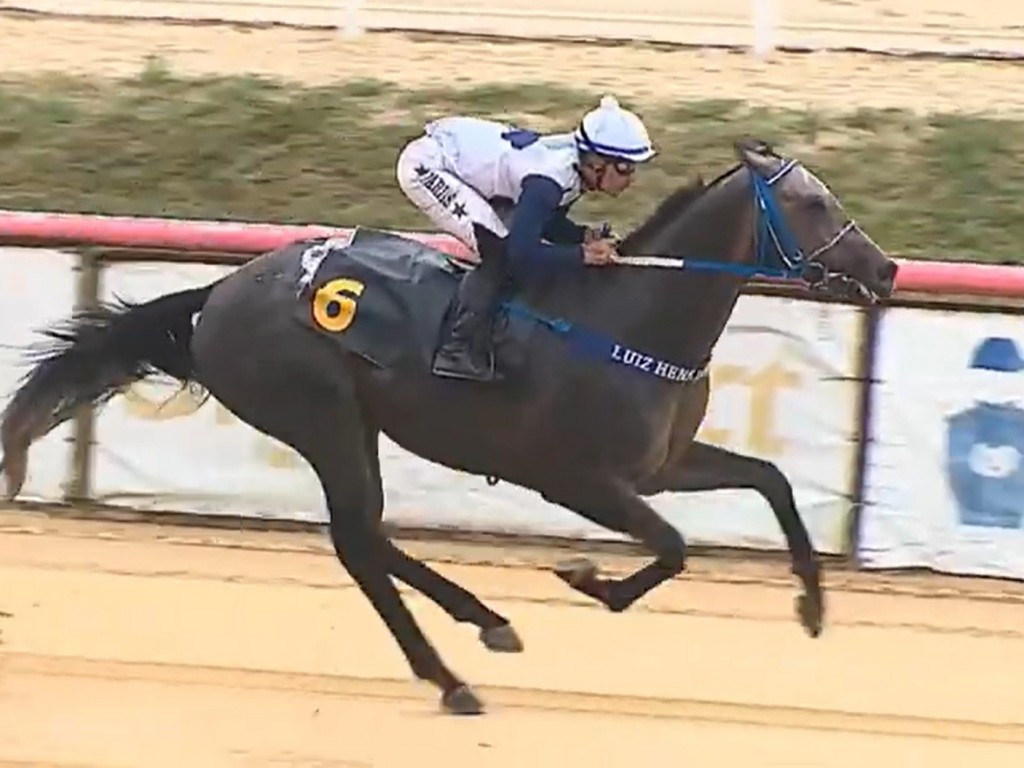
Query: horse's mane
(674, 205)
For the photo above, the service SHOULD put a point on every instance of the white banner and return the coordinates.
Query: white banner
(945, 475)
(38, 288)
(782, 391)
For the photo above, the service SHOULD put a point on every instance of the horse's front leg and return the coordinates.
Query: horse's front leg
(614, 504)
(704, 467)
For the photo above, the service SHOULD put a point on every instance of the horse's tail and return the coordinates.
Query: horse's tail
(90, 357)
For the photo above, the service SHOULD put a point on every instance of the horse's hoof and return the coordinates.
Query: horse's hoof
(462, 701)
(576, 571)
(501, 639)
(810, 613)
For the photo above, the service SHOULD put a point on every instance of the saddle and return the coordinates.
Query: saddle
(384, 297)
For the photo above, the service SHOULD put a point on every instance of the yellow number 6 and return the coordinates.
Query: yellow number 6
(333, 293)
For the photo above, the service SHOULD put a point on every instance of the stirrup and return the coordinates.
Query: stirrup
(456, 360)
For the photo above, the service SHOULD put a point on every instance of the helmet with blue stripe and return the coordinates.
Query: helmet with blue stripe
(614, 132)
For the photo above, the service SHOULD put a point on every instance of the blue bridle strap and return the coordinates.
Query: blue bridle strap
(776, 251)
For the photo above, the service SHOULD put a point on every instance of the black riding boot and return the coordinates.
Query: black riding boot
(467, 353)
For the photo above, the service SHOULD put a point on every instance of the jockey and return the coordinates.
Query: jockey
(464, 168)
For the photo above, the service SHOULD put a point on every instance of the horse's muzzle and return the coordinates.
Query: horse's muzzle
(838, 285)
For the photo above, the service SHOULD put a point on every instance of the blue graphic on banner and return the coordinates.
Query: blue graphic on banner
(985, 447)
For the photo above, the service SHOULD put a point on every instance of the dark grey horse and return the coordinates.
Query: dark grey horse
(594, 433)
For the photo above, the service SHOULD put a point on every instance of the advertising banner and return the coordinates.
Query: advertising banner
(945, 482)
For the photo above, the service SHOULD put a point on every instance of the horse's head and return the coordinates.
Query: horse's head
(802, 222)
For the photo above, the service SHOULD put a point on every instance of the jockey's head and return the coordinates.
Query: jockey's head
(611, 141)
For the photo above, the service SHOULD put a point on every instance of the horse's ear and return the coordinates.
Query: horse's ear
(752, 145)
(755, 153)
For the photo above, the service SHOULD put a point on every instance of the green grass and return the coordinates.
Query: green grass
(938, 186)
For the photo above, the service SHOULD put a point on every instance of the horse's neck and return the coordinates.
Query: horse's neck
(686, 310)
(675, 314)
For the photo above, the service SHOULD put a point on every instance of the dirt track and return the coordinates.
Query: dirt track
(836, 80)
(131, 645)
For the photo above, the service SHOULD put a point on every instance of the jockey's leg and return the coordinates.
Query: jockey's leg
(451, 205)
(461, 211)
(467, 353)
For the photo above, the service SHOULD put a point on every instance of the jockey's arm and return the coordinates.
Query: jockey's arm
(563, 230)
(527, 251)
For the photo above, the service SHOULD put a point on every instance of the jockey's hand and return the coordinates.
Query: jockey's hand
(601, 232)
(599, 252)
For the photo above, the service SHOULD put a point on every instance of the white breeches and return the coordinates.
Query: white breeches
(450, 203)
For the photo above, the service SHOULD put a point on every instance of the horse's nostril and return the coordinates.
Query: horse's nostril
(888, 271)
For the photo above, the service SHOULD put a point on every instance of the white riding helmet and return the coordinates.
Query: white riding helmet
(614, 132)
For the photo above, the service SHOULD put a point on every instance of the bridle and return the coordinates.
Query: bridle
(773, 228)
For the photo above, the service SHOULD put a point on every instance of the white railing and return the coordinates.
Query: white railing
(760, 25)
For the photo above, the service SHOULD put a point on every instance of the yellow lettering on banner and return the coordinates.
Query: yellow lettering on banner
(222, 416)
(182, 403)
(277, 455)
(721, 376)
(336, 293)
(765, 385)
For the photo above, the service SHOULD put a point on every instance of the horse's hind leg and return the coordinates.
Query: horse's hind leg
(496, 633)
(298, 390)
(364, 551)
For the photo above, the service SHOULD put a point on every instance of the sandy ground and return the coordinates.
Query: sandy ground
(880, 25)
(134, 645)
(836, 80)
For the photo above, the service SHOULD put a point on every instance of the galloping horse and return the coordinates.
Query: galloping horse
(325, 345)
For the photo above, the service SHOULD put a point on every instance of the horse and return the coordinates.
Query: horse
(605, 385)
